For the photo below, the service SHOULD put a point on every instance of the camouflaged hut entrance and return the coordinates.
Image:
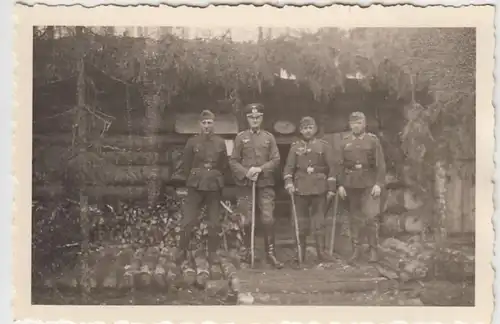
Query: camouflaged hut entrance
(286, 102)
(137, 154)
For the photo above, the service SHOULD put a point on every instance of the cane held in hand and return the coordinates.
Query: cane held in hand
(296, 222)
(253, 175)
(252, 236)
(334, 223)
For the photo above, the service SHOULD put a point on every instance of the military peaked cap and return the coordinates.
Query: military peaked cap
(307, 121)
(207, 114)
(357, 115)
(254, 110)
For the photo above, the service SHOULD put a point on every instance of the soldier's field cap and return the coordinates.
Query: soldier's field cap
(307, 121)
(254, 110)
(207, 114)
(357, 116)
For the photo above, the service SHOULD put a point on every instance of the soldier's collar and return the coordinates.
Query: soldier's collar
(311, 141)
(209, 135)
(360, 136)
(255, 131)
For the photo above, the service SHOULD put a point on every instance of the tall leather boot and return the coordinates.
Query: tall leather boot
(373, 254)
(373, 243)
(320, 248)
(269, 239)
(303, 247)
(213, 244)
(356, 253)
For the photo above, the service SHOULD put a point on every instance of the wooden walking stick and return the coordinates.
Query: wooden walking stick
(252, 237)
(296, 222)
(334, 223)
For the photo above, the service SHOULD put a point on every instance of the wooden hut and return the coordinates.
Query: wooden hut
(136, 154)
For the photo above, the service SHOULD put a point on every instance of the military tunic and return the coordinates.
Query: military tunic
(255, 149)
(310, 168)
(362, 167)
(205, 161)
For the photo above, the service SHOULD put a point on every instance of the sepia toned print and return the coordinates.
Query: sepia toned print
(264, 165)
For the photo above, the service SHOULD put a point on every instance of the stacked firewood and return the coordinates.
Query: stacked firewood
(56, 228)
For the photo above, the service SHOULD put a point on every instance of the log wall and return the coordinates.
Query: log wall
(460, 201)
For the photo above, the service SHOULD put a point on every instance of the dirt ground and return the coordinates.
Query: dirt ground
(259, 287)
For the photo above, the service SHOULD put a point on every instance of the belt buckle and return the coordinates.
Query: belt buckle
(310, 170)
(358, 166)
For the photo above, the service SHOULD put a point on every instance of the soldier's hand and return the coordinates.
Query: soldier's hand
(342, 192)
(376, 191)
(290, 189)
(330, 195)
(251, 173)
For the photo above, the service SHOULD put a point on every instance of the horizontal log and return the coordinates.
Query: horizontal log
(133, 175)
(318, 280)
(138, 142)
(411, 200)
(124, 192)
(47, 191)
(128, 175)
(318, 286)
(119, 142)
(136, 158)
(120, 192)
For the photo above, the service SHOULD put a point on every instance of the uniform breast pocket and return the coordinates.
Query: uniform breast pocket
(351, 153)
(265, 145)
(303, 160)
(265, 148)
(220, 154)
(247, 146)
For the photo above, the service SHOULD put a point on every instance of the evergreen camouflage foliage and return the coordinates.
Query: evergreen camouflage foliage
(404, 61)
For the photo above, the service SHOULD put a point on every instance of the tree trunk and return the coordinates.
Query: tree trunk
(440, 195)
(82, 133)
(153, 117)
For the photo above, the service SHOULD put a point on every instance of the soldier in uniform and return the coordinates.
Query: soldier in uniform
(204, 160)
(254, 159)
(360, 181)
(309, 175)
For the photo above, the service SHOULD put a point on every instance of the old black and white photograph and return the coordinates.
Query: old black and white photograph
(257, 165)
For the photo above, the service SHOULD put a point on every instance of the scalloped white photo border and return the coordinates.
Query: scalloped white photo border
(481, 17)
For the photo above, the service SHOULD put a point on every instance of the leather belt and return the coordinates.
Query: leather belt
(357, 167)
(311, 170)
(206, 166)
